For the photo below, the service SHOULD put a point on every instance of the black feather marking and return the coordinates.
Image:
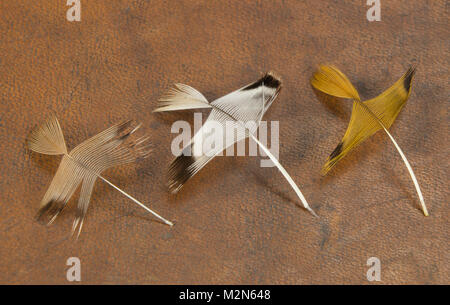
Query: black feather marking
(268, 79)
(336, 151)
(126, 129)
(408, 79)
(123, 126)
(50, 210)
(181, 169)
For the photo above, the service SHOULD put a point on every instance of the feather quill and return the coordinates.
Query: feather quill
(83, 165)
(367, 117)
(241, 109)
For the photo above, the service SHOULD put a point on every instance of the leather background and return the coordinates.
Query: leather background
(236, 223)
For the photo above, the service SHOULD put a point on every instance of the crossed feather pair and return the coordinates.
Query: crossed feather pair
(240, 110)
(83, 165)
(367, 117)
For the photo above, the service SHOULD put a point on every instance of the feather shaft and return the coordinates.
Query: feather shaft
(405, 160)
(125, 194)
(286, 175)
(138, 202)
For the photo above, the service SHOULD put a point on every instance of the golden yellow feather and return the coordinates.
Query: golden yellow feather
(362, 125)
(367, 117)
(330, 80)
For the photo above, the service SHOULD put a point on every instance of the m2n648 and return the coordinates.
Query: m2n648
(236, 294)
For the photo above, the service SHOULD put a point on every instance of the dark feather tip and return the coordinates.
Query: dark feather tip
(49, 211)
(336, 151)
(269, 80)
(180, 171)
(183, 168)
(126, 129)
(408, 78)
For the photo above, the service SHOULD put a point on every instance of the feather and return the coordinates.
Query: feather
(333, 82)
(367, 117)
(83, 165)
(240, 110)
(182, 97)
(48, 138)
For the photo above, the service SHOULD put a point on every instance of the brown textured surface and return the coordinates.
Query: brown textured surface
(242, 225)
